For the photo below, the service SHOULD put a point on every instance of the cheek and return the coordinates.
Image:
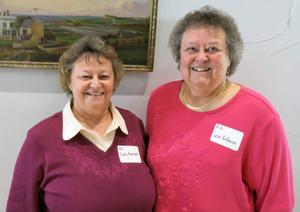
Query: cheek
(225, 60)
(185, 73)
(108, 86)
(184, 60)
(112, 87)
(78, 87)
(184, 67)
(221, 61)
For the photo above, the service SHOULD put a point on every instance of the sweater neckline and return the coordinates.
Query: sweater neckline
(105, 155)
(233, 99)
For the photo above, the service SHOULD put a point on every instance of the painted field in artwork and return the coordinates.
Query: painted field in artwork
(40, 33)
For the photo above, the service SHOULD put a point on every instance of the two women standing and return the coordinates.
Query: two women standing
(214, 145)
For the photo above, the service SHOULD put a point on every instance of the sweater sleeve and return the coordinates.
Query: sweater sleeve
(268, 169)
(28, 174)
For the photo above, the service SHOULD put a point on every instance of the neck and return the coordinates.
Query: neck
(206, 103)
(92, 121)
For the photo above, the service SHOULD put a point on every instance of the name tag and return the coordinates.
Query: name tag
(129, 154)
(227, 137)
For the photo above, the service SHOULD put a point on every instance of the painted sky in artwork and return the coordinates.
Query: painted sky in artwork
(120, 8)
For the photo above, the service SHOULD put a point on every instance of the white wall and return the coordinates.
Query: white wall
(271, 68)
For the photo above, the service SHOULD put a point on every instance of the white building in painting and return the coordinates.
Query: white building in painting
(6, 25)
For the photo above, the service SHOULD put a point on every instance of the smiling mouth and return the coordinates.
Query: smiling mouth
(95, 94)
(201, 69)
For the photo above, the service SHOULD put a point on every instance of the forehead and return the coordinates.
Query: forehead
(91, 60)
(204, 34)
(90, 57)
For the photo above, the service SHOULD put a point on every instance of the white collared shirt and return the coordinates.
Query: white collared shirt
(71, 126)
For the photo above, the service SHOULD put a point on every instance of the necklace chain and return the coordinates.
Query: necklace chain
(198, 108)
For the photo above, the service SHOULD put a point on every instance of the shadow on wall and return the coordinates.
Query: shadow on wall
(47, 81)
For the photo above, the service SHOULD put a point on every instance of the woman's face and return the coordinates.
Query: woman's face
(204, 59)
(92, 85)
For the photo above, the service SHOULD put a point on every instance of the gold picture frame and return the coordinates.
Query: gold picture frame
(34, 40)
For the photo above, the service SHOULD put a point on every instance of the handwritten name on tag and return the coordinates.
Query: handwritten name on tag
(227, 137)
(129, 154)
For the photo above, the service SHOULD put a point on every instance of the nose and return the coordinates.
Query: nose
(95, 83)
(201, 56)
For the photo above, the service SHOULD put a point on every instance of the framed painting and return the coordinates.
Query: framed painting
(35, 33)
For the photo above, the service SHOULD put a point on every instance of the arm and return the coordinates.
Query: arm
(268, 169)
(28, 174)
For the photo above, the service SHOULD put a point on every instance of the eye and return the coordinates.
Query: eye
(84, 77)
(212, 49)
(103, 77)
(191, 49)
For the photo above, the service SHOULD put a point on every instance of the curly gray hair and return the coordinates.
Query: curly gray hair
(208, 17)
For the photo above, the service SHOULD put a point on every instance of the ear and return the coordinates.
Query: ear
(69, 84)
(229, 61)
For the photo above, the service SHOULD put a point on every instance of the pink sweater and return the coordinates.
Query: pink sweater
(235, 158)
(56, 175)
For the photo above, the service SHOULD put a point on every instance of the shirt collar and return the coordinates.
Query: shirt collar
(71, 126)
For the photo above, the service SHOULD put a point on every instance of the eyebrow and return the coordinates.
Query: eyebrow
(209, 43)
(101, 72)
(214, 43)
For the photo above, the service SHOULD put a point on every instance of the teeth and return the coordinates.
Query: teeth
(95, 94)
(201, 69)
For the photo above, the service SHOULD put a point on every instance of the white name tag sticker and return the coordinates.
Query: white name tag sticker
(227, 137)
(129, 154)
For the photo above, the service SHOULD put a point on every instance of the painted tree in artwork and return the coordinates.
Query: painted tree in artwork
(20, 20)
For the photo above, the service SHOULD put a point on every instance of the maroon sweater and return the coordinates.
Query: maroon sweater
(56, 175)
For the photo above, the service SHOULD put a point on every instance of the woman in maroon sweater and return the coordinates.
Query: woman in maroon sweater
(90, 156)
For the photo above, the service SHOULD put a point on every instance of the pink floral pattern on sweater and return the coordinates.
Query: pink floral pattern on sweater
(87, 164)
(175, 164)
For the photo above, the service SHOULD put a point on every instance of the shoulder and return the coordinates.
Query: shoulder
(126, 113)
(256, 101)
(170, 86)
(129, 117)
(133, 123)
(48, 125)
(166, 92)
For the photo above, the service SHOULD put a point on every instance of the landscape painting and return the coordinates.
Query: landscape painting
(35, 33)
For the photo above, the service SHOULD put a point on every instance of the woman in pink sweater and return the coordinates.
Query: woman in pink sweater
(215, 145)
